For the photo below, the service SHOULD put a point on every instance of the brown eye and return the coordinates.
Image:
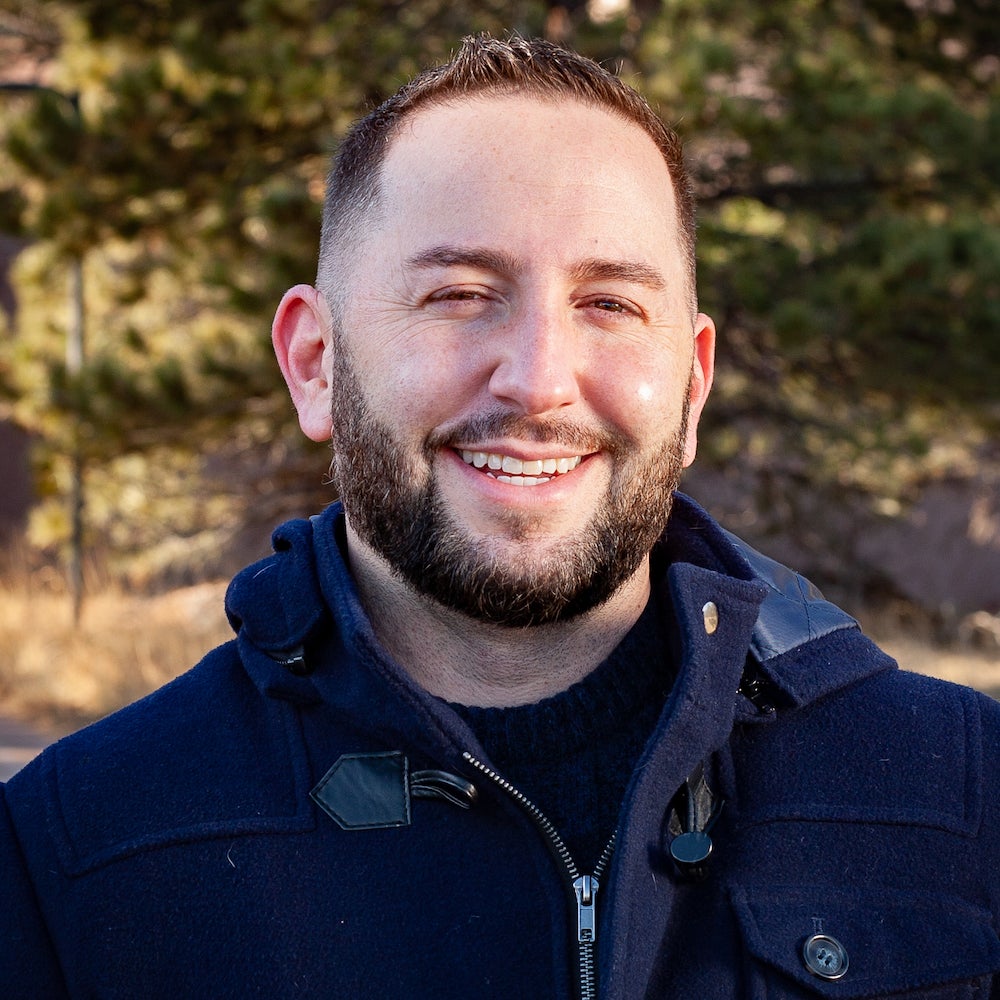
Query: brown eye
(615, 307)
(457, 295)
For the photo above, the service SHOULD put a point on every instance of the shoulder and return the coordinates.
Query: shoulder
(894, 747)
(206, 755)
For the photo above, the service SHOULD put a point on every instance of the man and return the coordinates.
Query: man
(517, 719)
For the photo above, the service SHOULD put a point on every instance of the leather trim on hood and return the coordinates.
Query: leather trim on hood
(794, 611)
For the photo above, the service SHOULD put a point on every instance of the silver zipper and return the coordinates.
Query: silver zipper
(584, 887)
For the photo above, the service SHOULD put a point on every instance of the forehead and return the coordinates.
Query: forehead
(488, 120)
(519, 165)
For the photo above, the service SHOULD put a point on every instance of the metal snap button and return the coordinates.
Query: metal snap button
(825, 956)
(710, 615)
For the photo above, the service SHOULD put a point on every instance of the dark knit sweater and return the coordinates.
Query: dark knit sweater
(572, 754)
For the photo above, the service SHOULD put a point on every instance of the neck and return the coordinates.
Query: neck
(470, 662)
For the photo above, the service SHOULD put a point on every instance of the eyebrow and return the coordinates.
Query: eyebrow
(632, 271)
(497, 261)
(501, 262)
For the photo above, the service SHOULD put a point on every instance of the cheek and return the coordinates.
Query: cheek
(399, 362)
(417, 389)
(644, 399)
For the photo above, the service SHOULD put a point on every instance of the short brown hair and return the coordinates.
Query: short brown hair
(490, 66)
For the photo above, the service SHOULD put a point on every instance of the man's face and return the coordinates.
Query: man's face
(513, 386)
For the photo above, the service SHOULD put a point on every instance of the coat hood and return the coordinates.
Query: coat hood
(278, 605)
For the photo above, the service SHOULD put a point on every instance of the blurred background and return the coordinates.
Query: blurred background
(161, 176)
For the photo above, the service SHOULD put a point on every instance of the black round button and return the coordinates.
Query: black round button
(692, 848)
(825, 956)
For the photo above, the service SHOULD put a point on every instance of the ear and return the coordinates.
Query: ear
(702, 375)
(301, 337)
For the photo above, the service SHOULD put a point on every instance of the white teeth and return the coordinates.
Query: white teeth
(518, 472)
(522, 480)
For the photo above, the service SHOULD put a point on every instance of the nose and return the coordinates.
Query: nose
(538, 363)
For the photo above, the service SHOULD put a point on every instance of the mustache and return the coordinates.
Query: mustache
(567, 433)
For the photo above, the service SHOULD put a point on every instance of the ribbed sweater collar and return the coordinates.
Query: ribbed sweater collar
(628, 686)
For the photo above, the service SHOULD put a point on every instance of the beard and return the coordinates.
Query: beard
(395, 506)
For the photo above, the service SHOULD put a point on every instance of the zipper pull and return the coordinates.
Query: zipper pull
(586, 887)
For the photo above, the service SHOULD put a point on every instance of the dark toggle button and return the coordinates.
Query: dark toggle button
(695, 812)
(372, 791)
(825, 956)
(690, 852)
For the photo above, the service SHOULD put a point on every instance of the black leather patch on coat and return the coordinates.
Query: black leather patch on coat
(366, 791)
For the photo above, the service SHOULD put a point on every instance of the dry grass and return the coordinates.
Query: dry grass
(909, 636)
(127, 645)
(976, 668)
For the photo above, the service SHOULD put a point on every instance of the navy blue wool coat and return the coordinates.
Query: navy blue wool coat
(295, 818)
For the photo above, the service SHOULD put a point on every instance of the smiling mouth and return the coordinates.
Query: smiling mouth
(518, 472)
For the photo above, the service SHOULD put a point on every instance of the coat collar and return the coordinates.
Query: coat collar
(803, 645)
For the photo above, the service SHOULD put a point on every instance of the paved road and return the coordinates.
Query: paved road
(18, 744)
